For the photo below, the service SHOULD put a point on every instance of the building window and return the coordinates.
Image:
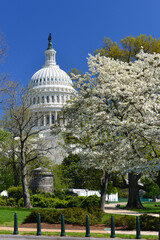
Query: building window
(47, 99)
(34, 100)
(52, 98)
(58, 99)
(43, 99)
(52, 119)
(38, 100)
(47, 119)
(62, 99)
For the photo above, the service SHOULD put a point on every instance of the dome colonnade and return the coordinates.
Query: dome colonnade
(49, 88)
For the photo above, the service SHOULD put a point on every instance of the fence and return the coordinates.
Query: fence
(85, 192)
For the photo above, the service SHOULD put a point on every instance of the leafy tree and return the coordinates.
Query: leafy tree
(79, 177)
(27, 146)
(129, 47)
(113, 120)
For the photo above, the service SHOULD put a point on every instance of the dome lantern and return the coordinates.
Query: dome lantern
(50, 53)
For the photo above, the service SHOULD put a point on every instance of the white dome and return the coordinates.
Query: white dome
(50, 75)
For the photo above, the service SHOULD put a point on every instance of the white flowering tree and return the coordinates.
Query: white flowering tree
(113, 121)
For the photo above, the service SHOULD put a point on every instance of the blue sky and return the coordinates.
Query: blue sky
(77, 26)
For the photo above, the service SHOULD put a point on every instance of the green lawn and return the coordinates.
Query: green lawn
(74, 234)
(7, 215)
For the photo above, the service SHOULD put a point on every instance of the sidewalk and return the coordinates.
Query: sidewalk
(112, 209)
(80, 231)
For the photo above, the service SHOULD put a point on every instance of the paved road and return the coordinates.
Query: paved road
(112, 209)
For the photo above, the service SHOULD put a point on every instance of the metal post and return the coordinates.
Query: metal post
(87, 227)
(62, 226)
(113, 235)
(39, 225)
(15, 224)
(138, 233)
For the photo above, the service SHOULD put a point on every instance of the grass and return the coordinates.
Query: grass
(73, 234)
(7, 215)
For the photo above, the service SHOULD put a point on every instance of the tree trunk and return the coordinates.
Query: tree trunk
(133, 198)
(104, 184)
(26, 194)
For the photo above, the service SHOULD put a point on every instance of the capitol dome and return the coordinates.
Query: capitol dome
(49, 89)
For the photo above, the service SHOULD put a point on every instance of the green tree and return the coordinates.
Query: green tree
(129, 46)
(20, 124)
(77, 176)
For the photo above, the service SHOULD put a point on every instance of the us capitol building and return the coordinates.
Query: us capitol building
(49, 89)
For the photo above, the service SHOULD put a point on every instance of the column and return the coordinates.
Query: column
(50, 118)
(44, 119)
(55, 115)
(38, 115)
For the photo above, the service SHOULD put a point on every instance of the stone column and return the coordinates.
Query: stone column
(44, 119)
(50, 118)
(55, 115)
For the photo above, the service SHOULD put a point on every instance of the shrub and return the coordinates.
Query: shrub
(76, 202)
(90, 202)
(21, 202)
(43, 202)
(126, 222)
(11, 202)
(15, 192)
(72, 216)
(149, 223)
(2, 202)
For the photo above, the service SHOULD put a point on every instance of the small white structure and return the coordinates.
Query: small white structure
(86, 193)
(4, 193)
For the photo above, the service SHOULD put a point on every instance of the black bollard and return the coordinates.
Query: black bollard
(62, 226)
(87, 227)
(138, 233)
(113, 235)
(15, 224)
(39, 225)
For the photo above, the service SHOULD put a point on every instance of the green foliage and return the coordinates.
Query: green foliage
(77, 176)
(152, 189)
(126, 222)
(43, 202)
(90, 202)
(76, 216)
(2, 201)
(11, 202)
(15, 192)
(129, 47)
(111, 188)
(21, 202)
(149, 223)
(76, 202)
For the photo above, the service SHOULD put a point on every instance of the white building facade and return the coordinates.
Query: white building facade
(49, 88)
